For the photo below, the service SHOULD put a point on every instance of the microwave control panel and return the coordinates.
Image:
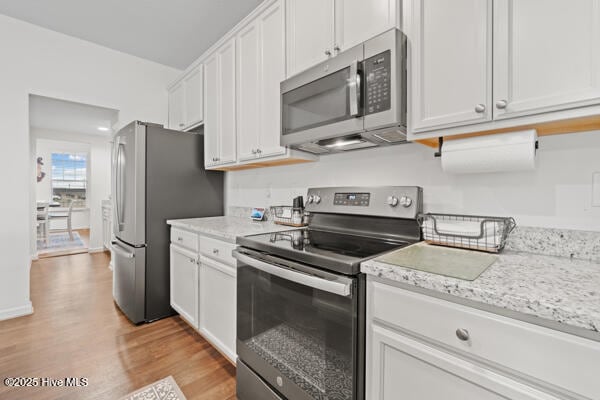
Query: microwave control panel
(377, 73)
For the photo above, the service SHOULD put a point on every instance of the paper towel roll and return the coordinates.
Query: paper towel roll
(503, 152)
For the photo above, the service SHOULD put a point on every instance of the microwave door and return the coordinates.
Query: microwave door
(323, 108)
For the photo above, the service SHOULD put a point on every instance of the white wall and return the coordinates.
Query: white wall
(98, 149)
(557, 194)
(43, 62)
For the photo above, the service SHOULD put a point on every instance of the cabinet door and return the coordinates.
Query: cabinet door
(360, 20)
(451, 63)
(218, 305)
(226, 102)
(211, 114)
(400, 367)
(310, 32)
(194, 91)
(184, 283)
(272, 71)
(176, 99)
(248, 87)
(546, 55)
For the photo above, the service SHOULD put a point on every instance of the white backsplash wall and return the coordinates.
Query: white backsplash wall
(557, 194)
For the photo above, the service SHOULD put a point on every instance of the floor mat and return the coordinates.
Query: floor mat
(60, 241)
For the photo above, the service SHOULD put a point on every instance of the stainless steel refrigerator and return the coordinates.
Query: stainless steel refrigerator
(157, 174)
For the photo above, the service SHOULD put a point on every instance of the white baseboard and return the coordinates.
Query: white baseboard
(34, 257)
(96, 250)
(16, 311)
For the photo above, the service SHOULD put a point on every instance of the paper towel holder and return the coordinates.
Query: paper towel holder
(441, 143)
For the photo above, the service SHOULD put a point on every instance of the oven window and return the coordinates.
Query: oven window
(307, 335)
(318, 103)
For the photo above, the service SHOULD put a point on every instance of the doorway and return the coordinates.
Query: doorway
(70, 148)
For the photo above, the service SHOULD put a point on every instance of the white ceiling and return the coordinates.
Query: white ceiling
(170, 32)
(68, 116)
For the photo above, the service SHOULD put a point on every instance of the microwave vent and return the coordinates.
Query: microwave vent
(391, 136)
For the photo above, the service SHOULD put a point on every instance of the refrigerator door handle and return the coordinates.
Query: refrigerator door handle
(119, 184)
(120, 250)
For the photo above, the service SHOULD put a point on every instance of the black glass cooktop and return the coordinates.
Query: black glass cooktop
(336, 251)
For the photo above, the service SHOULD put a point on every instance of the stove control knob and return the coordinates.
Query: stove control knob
(405, 201)
(310, 199)
(392, 201)
(317, 199)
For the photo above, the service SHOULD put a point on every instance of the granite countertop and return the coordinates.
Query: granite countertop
(559, 289)
(227, 228)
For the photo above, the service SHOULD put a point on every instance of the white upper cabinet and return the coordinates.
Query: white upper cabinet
(176, 99)
(261, 68)
(220, 106)
(194, 93)
(272, 41)
(310, 33)
(211, 114)
(546, 55)
(318, 29)
(186, 100)
(451, 63)
(358, 20)
(248, 84)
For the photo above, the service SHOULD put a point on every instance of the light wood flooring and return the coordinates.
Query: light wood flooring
(77, 331)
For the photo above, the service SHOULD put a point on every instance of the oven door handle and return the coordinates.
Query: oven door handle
(341, 286)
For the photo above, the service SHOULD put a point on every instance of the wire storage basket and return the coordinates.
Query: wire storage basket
(283, 215)
(467, 231)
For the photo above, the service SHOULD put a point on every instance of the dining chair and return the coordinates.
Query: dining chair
(43, 222)
(66, 216)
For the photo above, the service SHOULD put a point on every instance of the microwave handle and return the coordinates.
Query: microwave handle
(354, 88)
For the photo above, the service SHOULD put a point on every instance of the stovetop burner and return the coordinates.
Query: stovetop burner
(338, 251)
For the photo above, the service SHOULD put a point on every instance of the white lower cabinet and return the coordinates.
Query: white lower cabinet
(422, 347)
(217, 305)
(203, 287)
(184, 283)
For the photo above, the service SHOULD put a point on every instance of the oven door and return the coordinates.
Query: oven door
(324, 101)
(299, 328)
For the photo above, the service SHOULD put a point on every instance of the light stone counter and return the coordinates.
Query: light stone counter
(227, 228)
(559, 289)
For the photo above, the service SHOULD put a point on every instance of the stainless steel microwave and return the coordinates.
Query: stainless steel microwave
(354, 100)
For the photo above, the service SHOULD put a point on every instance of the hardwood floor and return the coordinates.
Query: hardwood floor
(77, 331)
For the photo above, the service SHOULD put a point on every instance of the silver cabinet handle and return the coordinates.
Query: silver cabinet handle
(258, 151)
(480, 108)
(340, 286)
(215, 251)
(180, 125)
(336, 48)
(253, 151)
(180, 239)
(328, 53)
(462, 334)
(501, 104)
(192, 261)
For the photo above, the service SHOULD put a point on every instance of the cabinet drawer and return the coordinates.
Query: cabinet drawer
(186, 239)
(217, 250)
(565, 362)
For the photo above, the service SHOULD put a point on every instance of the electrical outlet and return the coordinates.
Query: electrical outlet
(596, 189)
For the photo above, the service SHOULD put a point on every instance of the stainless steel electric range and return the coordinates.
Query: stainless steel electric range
(301, 296)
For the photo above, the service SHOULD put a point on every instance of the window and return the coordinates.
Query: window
(69, 179)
